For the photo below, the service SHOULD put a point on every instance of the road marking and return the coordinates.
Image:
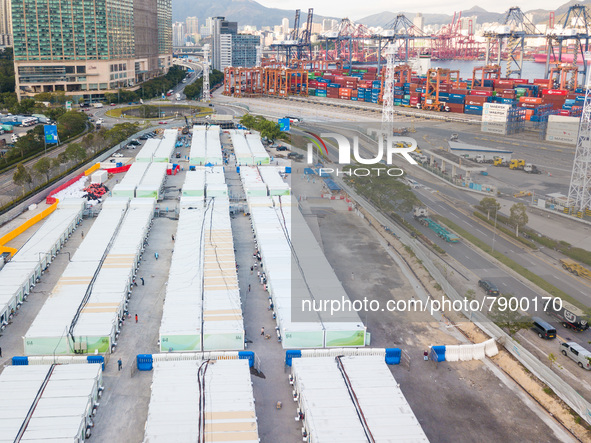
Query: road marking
(480, 231)
(503, 283)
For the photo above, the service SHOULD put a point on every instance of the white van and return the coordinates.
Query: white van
(14, 138)
(578, 353)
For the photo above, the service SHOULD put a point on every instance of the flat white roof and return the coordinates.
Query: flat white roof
(54, 318)
(182, 312)
(17, 273)
(256, 148)
(63, 407)
(330, 413)
(166, 146)
(146, 154)
(101, 313)
(134, 175)
(174, 411)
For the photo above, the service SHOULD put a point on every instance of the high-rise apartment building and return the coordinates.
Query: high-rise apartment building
(222, 46)
(192, 24)
(5, 23)
(89, 47)
(231, 48)
(178, 34)
(245, 50)
(285, 26)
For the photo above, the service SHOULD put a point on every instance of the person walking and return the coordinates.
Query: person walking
(119, 364)
(263, 330)
(172, 237)
(136, 318)
(142, 279)
(82, 234)
(156, 255)
(0, 352)
(248, 291)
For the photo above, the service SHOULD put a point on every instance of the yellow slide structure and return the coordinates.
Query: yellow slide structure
(22, 228)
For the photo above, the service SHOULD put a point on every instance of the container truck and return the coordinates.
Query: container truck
(569, 315)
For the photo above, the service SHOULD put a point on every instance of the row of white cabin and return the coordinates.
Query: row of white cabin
(352, 399)
(85, 309)
(300, 280)
(158, 150)
(145, 177)
(248, 148)
(263, 181)
(24, 270)
(50, 403)
(202, 309)
(206, 147)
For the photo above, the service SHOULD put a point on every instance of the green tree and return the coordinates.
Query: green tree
(22, 177)
(518, 217)
(270, 130)
(43, 167)
(511, 320)
(71, 123)
(56, 163)
(75, 152)
(62, 157)
(490, 205)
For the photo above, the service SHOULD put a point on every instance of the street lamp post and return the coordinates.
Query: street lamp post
(494, 231)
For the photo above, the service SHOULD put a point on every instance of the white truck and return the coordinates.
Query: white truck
(97, 105)
(178, 96)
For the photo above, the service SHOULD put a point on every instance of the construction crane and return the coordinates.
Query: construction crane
(403, 32)
(575, 26)
(298, 42)
(206, 93)
(305, 39)
(565, 76)
(579, 192)
(516, 28)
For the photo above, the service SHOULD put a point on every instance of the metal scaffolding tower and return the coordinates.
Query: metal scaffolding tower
(388, 97)
(579, 193)
(206, 93)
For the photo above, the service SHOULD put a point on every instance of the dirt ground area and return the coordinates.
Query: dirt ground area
(464, 396)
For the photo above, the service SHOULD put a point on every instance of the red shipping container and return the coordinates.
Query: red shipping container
(535, 100)
(543, 82)
(481, 93)
(459, 91)
(521, 81)
(456, 107)
(528, 105)
(507, 91)
(554, 92)
(565, 112)
(503, 95)
(481, 88)
(501, 82)
(414, 100)
(372, 69)
(474, 101)
(321, 85)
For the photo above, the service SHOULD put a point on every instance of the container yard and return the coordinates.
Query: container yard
(49, 402)
(196, 400)
(24, 270)
(505, 104)
(351, 399)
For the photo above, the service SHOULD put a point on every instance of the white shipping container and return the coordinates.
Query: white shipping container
(563, 119)
(561, 139)
(100, 177)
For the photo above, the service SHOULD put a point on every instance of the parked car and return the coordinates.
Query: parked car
(144, 137)
(134, 143)
(281, 148)
(489, 287)
(162, 123)
(295, 156)
(178, 155)
(118, 155)
(577, 353)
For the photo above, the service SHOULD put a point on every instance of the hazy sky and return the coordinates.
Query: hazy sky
(356, 9)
